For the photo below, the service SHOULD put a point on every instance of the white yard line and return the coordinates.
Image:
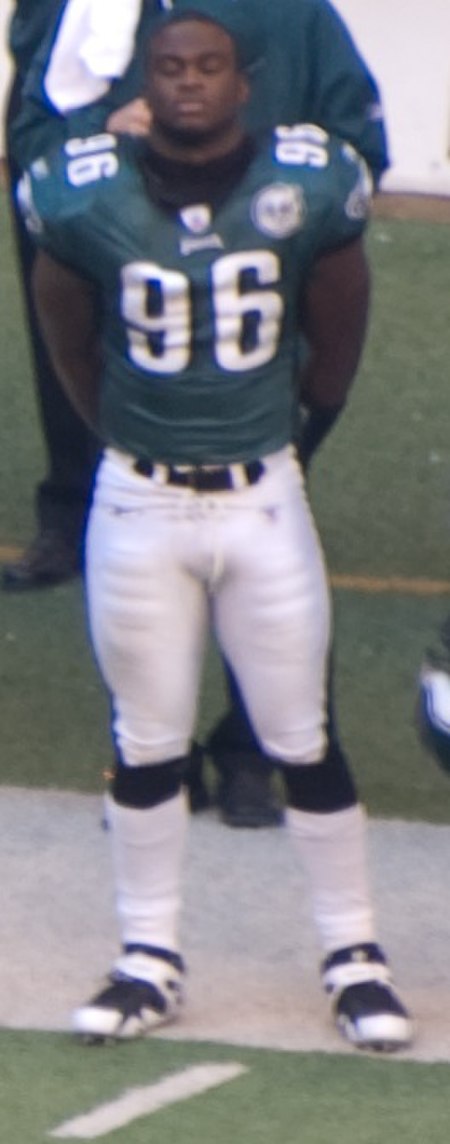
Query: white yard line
(138, 1102)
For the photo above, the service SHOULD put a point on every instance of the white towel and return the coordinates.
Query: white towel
(94, 45)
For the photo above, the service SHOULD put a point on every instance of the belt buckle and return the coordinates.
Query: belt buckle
(192, 478)
(207, 478)
(189, 477)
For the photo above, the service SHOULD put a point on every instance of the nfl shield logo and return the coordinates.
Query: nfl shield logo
(196, 218)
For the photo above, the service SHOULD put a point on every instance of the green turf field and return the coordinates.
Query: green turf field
(283, 1097)
(381, 493)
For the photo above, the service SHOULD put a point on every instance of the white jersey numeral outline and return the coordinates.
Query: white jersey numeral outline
(162, 343)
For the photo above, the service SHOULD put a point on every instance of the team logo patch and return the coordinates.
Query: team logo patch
(196, 218)
(40, 168)
(278, 210)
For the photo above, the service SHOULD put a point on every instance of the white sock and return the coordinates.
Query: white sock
(148, 849)
(333, 852)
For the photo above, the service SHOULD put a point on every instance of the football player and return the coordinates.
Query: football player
(434, 700)
(173, 278)
(310, 71)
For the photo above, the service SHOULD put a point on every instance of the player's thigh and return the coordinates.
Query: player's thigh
(272, 618)
(147, 619)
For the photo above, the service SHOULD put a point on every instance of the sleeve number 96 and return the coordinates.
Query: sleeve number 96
(91, 159)
(303, 145)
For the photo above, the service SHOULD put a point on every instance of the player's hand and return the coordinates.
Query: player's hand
(4, 174)
(315, 424)
(133, 118)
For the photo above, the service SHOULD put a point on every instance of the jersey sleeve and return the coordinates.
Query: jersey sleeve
(349, 191)
(335, 184)
(60, 198)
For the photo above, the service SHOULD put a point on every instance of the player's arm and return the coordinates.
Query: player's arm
(333, 316)
(347, 100)
(69, 315)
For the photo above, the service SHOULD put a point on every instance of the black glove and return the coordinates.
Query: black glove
(315, 424)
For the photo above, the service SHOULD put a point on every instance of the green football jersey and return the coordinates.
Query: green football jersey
(311, 72)
(200, 304)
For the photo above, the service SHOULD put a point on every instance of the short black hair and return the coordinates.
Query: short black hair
(238, 18)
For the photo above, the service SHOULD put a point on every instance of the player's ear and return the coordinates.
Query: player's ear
(244, 89)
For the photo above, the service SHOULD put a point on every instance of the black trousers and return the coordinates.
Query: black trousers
(63, 496)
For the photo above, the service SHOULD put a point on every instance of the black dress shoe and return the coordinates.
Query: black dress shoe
(197, 790)
(50, 559)
(246, 798)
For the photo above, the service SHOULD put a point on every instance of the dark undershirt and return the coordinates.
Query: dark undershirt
(173, 184)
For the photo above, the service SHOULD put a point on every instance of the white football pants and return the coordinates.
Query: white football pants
(164, 563)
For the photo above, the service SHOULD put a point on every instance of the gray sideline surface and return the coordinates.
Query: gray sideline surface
(248, 937)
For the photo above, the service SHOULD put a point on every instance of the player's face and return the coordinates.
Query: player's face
(194, 85)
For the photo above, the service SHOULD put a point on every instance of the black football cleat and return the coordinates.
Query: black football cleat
(366, 1008)
(143, 992)
(246, 799)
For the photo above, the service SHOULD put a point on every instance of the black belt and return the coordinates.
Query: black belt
(203, 479)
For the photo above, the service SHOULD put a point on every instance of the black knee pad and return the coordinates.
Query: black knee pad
(145, 786)
(320, 788)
